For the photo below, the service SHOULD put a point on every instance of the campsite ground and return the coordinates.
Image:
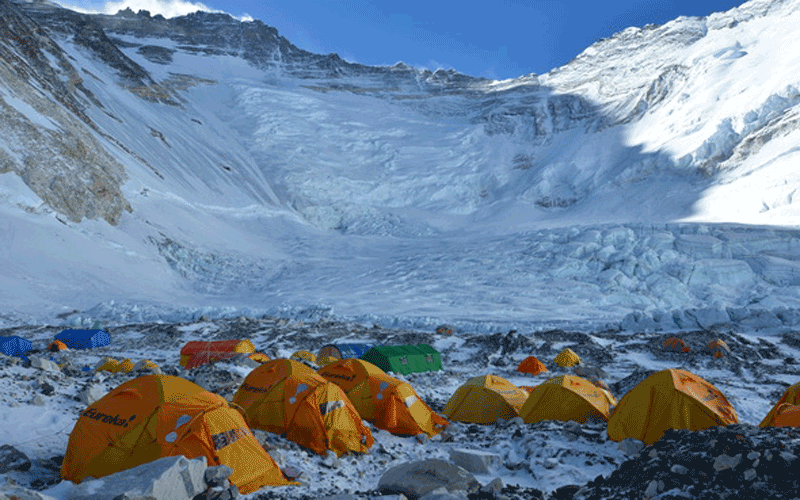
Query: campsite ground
(42, 405)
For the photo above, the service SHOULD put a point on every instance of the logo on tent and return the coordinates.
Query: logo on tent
(107, 419)
(225, 438)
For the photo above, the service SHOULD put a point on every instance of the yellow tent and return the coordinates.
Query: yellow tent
(790, 396)
(669, 399)
(567, 397)
(567, 357)
(126, 365)
(146, 364)
(108, 365)
(306, 355)
(285, 396)
(326, 360)
(387, 402)
(484, 399)
(157, 416)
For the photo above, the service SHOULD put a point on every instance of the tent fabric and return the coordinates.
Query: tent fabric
(108, 365)
(405, 359)
(790, 396)
(531, 365)
(390, 404)
(326, 360)
(84, 339)
(566, 358)
(56, 346)
(157, 416)
(344, 351)
(15, 346)
(306, 355)
(259, 356)
(676, 344)
(144, 364)
(567, 397)
(484, 399)
(197, 352)
(669, 399)
(788, 415)
(287, 397)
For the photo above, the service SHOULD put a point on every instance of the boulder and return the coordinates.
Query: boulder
(173, 478)
(441, 493)
(416, 479)
(475, 461)
(13, 459)
(16, 492)
(44, 364)
(90, 394)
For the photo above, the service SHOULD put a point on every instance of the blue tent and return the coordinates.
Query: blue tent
(84, 339)
(344, 351)
(15, 346)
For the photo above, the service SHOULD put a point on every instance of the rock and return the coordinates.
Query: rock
(47, 388)
(475, 461)
(216, 476)
(590, 373)
(551, 463)
(653, 454)
(16, 492)
(416, 479)
(13, 459)
(38, 400)
(142, 368)
(726, 462)
(630, 446)
(90, 394)
(340, 496)
(292, 472)
(44, 364)
(788, 456)
(749, 474)
(678, 469)
(517, 421)
(422, 438)
(174, 478)
(492, 489)
(442, 494)
(651, 490)
(331, 460)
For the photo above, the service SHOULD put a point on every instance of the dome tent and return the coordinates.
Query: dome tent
(84, 339)
(344, 351)
(484, 399)
(531, 365)
(196, 353)
(390, 404)
(566, 358)
(157, 416)
(284, 396)
(405, 359)
(669, 399)
(790, 396)
(567, 397)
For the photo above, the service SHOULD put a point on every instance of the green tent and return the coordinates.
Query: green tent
(404, 359)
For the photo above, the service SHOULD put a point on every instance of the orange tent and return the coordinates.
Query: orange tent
(676, 344)
(385, 401)
(787, 415)
(531, 365)
(669, 399)
(56, 346)
(156, 416)
(286, 397)
(790, 396)
(196, 353)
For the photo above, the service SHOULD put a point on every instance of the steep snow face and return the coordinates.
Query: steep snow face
(261, 176)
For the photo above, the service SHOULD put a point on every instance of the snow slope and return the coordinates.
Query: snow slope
(649, 183)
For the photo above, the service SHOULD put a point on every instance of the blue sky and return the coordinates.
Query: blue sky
(498, 39)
